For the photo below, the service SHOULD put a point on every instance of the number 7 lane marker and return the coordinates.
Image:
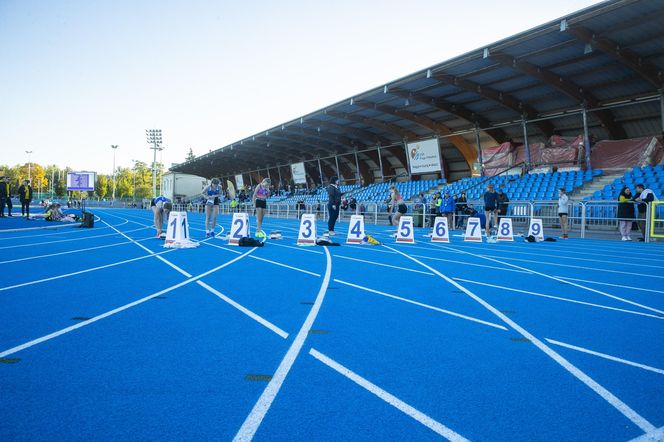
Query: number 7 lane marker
(605, 394)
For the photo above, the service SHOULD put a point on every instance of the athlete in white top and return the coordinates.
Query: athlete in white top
(563, 211)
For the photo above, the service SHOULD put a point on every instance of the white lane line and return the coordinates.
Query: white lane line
(58, 233)
(564, 281)
(605, 356)
(653, 436)
(268, 261)
(383, 265)
(119, 309)
(590, 304)
(160, 258)
(430, 307)
(605, 394)
(597, 269)
(71, 251)
(92, 269)
(64, 240)
(300, 248)
(285, 266)
(397, 403)
(260, 409)
(612, 284)
(572, 258)
(472, 264)
(245, 310)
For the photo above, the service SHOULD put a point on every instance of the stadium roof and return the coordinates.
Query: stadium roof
(608, 58)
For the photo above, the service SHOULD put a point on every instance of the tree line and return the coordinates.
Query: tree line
(51, 181)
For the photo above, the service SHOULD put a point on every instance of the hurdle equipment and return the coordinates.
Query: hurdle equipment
(177, 232)
(356, 233)
(306, 235)
(473, 230)
(505, 232)
(440, 231)
(405, 233)
(239, 228)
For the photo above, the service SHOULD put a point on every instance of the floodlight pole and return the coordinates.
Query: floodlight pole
(154, 138)
(114, 147)
(29, 152)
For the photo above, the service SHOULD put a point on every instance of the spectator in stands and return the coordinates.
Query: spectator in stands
(420, 202)
(436, 201)
(643, 197)
(25, 196)
(563, 210)
(398, 205)
(503, 203)
(261, 194)
(447, 208)
(211, 194)
(161, 207)
(333, 204)
(461, 202)
(352, 204)
(625, 213)
(491, 205)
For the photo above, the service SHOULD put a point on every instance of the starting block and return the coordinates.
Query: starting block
(177, 232)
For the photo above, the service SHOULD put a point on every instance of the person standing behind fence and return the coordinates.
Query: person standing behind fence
(25, 195)
(460, 207)
(563, 210)
(211, 194)
(503, 203)
(333, 204)
(625, 213)
(447, 207)
(491, 205)
(643, 197)
(5, 197)
(261, 193)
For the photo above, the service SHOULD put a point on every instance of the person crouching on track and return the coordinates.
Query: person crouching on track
(211, 194)
(161, 207)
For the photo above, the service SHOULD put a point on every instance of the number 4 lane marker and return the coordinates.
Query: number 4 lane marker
(355, 230)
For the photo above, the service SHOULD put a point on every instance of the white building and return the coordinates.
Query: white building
(181, 186)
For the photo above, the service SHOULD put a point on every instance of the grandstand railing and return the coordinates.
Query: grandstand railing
(597, 218)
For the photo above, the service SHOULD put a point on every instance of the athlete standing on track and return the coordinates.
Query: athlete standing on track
(563, 210)
(211, 194)
(261, 194)
(491, 205)
(398, 205)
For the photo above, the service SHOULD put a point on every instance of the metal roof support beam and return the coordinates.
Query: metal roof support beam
(498, 135)
(524, 125)
(586, 140)
(479, 150)
(507, 100)
(661, 107)
(405, 149)
(459, 142)
(369, 138)
(567, 87)
(624, 56)
(382, 125)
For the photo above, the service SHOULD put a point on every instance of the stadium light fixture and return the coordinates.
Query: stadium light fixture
(29, 152)
(153, 136)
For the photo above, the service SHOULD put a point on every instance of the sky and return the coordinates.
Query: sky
(79, 76)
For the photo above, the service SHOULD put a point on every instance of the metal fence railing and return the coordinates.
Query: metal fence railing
(585, 218)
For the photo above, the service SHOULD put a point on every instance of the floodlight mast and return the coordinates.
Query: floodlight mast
(154, 137)
(114, 147)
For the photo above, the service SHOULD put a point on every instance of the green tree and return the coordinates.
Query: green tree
(143, 191)
(101, 186)
(190, 155)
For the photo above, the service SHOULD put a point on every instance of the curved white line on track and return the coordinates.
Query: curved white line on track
(260, 409)
(535, 272)
(400, 405)
(605, 394)
(119, 309)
